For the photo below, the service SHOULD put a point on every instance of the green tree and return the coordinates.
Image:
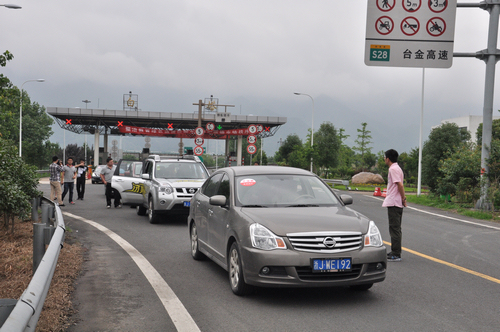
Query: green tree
(36, 124)
(442, 140)
(291, 144)
(461, 173)
(363, 141)
(18, 184)
(328, 142)
(495, 133)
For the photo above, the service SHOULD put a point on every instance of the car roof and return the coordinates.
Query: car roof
(257, 170)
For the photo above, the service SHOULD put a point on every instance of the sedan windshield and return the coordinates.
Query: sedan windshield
(275, 190)
(180, 170)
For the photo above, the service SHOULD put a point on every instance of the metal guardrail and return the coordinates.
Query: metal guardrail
(24, 317)
(342, 182)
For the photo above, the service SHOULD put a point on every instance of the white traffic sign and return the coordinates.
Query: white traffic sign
(260, 128)
(252, 129)
(199, 141)
(198, 150)
(251, 149)
(251, 139)
(410, 33)
(199, 131)
(210, 127)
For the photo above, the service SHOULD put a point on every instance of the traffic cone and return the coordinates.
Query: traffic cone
(377, 192)
(384, 193)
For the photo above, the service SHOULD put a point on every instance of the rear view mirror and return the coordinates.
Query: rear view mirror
(218, 200)
(346, 199)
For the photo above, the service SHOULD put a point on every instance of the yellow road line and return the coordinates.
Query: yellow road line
(463, 269)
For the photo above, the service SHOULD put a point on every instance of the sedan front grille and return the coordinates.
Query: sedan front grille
(326, 242)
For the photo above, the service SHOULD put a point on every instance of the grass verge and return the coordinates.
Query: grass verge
(16, 268)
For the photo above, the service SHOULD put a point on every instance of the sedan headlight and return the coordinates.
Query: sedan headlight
(264, 239)
(167, 189)
(373, 237)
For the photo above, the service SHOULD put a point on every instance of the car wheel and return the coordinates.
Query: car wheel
(364, 287)
(235, 269)
(141, 210)
(93, 182)
(197, 254)
(153, 217)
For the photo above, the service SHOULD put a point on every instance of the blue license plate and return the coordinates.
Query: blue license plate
(187, 204)
(331, 265)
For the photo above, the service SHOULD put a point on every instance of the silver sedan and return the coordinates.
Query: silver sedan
(272, 226)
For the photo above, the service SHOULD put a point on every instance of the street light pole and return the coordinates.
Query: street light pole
(312, 125)
(21, 114)
(86, 101)
(11, 6)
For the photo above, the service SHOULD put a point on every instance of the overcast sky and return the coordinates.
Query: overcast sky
(253, 54)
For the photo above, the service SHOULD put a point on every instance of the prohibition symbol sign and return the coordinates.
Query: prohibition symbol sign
(199, 141)
(436, 26)
(210, 127)
(251, 139)
(252, 129)
(199, 131)
(260, 128)
(251, 149)
(198, 150)
(412, 5)
(410, 26)
(386, 5)
(438, 6)
(384, 25)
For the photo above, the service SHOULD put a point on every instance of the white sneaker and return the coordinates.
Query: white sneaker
(108, 207)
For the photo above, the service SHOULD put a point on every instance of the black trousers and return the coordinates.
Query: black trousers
(395, 216)
(110, 193)
(80, 186)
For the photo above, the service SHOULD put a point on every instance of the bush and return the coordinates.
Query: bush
(18, 184)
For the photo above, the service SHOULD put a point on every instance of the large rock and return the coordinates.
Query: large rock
(367, 178)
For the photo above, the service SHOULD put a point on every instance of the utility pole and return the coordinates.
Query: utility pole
(490, 56)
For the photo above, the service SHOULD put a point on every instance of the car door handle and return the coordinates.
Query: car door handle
(198, 204)
(119, 180)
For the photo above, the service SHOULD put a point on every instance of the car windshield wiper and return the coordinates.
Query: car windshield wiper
(303, 205)
(257, 206)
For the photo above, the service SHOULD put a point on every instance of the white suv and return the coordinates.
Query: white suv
(166, 185)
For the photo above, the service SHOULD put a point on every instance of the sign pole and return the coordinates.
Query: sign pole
(419, 186)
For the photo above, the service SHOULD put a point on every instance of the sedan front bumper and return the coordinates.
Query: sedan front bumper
(292, 268)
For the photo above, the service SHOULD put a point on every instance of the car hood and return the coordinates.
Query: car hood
(282, 221)
(179, 183)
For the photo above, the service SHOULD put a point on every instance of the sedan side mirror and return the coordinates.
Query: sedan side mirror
(218, 200)
(145, 176)
(346, 199)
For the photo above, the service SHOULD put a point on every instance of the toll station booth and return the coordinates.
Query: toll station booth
(166, 124)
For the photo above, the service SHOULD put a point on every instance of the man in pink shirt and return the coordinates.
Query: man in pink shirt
(395, 200)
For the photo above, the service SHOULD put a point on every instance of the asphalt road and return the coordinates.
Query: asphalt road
(448, 280)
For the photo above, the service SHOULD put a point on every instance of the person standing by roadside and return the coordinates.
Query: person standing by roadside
(395, 200)
(80, 179)
(68, 178)
(55, 170)
(106, 176)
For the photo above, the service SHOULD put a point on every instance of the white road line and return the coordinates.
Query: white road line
(448, 217)
(175, 309)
